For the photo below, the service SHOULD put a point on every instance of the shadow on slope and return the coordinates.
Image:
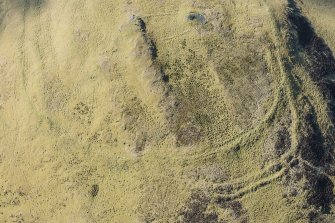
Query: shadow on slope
(314, 147)
(23, 5)
(28, 3)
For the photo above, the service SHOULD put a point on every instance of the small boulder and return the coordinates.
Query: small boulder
(195, 16)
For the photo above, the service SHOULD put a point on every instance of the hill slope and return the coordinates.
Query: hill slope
(167, 111)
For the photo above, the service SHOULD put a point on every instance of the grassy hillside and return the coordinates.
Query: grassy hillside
(167, 111)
